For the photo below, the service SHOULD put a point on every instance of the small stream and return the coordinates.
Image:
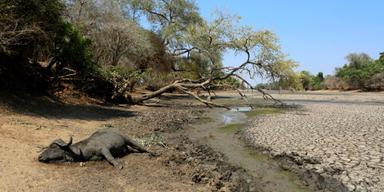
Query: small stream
(220, 134)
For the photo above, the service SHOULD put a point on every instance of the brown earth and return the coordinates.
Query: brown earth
(28, 124)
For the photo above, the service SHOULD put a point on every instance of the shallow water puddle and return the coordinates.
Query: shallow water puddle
(241, 109)
(220, 135)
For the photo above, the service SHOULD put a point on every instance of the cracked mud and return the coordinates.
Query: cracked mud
(341, 140)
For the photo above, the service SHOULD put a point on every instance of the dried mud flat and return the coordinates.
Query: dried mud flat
(334, 140)
(27, 125)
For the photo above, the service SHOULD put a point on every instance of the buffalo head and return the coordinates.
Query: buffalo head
(57, 151)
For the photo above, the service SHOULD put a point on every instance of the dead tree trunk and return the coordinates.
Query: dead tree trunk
(186, 86)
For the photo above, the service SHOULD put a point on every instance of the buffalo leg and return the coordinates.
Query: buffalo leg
(134, 145)
(107, 154)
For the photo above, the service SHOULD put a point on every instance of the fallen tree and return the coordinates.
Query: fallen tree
(259, 49)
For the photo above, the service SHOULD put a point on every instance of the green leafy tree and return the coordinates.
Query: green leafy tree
(72, 50)
(320, 76)
(317, 81)
(381, 59)
(361, 72)
(169, 18)
(306, 80)
(209, 40)
(287, 77)
(376, 81)
(356, 71)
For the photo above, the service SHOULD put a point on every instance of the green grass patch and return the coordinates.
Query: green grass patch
(231, 128)
(234, 101)
(152, 139)
(252, 153)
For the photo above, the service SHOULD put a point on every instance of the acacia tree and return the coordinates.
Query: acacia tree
(355, 72)
(210, 40)
(187, 39)
(170, 19)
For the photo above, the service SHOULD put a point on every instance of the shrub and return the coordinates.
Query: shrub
(73, 50)
(376, 82)
(334, 83)
(121, 77)
(153, 80)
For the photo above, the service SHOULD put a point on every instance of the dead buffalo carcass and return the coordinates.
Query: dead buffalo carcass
(103, 144)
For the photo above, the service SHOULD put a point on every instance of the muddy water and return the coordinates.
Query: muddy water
(220, 134)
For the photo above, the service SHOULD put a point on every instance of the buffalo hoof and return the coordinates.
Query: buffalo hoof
(119, 166)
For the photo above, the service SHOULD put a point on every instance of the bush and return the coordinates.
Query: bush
(73, 50)
(361, 71)
(153, 80)
(376, 82)
(317, 81)
(306, 80)
(335, 83)
(121, 77)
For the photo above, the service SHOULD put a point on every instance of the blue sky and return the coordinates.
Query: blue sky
(316, 33)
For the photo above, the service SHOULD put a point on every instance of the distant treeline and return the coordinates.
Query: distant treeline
(360, 73)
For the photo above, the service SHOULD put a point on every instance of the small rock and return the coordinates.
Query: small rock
(350, 186)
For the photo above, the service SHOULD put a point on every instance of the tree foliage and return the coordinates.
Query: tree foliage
(108, 41)
(29, 26)
(169, 18)
(36, 31)
(72, 50)
(359, 71)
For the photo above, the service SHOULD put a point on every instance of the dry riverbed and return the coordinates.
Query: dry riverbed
(335, 140)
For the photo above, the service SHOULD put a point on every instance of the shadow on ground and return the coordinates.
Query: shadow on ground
(53, 109)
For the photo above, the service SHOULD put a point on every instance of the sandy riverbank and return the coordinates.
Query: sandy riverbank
(28, 124)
